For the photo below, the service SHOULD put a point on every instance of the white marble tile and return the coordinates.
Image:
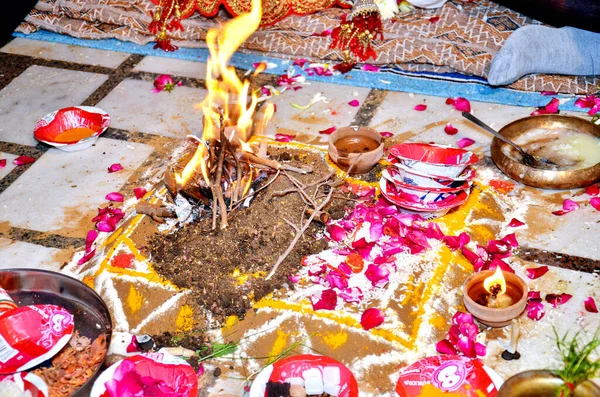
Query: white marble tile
(306, 124)
(9, 164)
(65, 52)
(134, 107)
(61, 191)
(38, 91)
(18, 254)
(175, 67)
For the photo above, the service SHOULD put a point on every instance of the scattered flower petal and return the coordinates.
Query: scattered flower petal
(370, 68)
(336, 232)
(549, 93)
(386, 134)
(133, 345)
(165, 82)
(450, 130)
(326, 300)
(377, 275)
(89, 240)
(354, 103)
(556, 300)
(461, 104)
(328, 131)
(284, 137)
(590, 305)
(595, 202)
(568, 206)
(434, 19)
(462, 337)
(420, 107)
(371, 318)
(536, 272)
(115, 196)
(593, 190)
(294, 278)
(456, 242)
(591, 101)
(2, 163)
(22, 160)
(115, 168)
(535, 306)
(445, 347)
(464, 142)
(550, 108)
(86, 257)
(300, 62)
(139, 192)
(514, 222)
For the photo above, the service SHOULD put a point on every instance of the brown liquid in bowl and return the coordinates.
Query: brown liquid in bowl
(356, 144)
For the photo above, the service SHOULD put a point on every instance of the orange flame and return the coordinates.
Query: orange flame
(227, 98)
(495, 279)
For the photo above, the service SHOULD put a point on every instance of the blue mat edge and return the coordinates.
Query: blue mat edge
(390, 82)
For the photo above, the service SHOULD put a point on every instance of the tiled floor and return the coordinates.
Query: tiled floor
(46, 207)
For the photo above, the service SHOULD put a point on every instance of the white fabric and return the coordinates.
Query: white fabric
(427, 3)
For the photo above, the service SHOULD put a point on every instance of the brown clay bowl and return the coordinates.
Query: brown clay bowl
(542, 383)
(355, 149)
(495, 317)
(542, 178)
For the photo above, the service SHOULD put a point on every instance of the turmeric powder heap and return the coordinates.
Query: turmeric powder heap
(74, 135)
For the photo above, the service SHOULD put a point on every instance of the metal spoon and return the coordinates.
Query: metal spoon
(528, 159)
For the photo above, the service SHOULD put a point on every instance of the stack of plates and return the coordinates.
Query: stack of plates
(426, 178)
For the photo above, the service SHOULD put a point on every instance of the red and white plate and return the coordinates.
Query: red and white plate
(445, 161)
(422, 178)
(401, 179)
(413, 202)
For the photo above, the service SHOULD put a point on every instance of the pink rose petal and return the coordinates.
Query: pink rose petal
(420, 107)
(535, 307)
(377, 275)
(139, 192)
(460, 104)
(86, 257)
(371, 318)
(328, 131)
(556, 300)
(370, 68)
(549, 93)
(2, 163)
(300, 62)
(450, 130)
(550, 108)
(386, 134)
(354, 103)
(294, 278)
(568, 206)
(284, 137)
(593, 190)
(115, 168)
(590, 305)
(445, 347)
(336, 232)
(114, 196)
(514, 222)
(133, 346)
(326, 300)
(536, 272)
(89, 240)
(22, 160)
(595, 202)
(464, 142)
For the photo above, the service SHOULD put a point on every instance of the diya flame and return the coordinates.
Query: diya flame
(496, 286)
(228, 98)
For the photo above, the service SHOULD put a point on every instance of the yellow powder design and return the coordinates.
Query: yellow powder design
(278, 345)
(430, 390)
(185, 319)
(89, 281)
(438, 321)
(134, 299)
(335, 340)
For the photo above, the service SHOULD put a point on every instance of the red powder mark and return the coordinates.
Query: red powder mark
(501, 186)
(333, 112)
(124, 261)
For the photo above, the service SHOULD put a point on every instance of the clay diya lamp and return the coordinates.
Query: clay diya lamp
(355, 149)
(495, 298)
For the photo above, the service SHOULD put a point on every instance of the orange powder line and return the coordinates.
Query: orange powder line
(304, 308)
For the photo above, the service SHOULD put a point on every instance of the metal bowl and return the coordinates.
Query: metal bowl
(91, 315)
(542, 383)
(542, 178)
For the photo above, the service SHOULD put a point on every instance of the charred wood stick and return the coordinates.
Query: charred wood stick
(299, 234)
(305, 186)
(274, 164)
(321, 216)
(156, 211)
(217, 183)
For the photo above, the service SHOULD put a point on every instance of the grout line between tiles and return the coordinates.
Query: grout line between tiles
(367, 110)
(45, 239)
(550, 258)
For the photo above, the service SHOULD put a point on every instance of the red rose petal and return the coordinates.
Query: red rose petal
(22, 160)
(434, 19)
(89, 240)
(450, 130)
(550, 108)
(114, 196)
(336, 232)
(2, 163)
(420, 107)
(86, 257)
(354, 103)
(595, 202)
(377, 275)
(372, 318)
(536, 272)
(514, 222)
(328, 131)
(386, 134)
(464, 142)
(590, 305)
(460, 104)
(139, 192)
(115, 168)
(556, 300)
(325, 301)
(284, 137)
(294, 278)
(445, 347)
(370, 68)
(592, 190)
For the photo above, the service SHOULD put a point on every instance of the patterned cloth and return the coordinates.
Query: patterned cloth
(461, 42)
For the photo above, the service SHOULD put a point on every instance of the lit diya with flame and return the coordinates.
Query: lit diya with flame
(495, 298)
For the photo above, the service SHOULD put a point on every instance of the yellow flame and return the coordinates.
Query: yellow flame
(227, 97)
(495, 279)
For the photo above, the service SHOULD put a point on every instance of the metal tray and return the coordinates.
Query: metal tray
(91, 315)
